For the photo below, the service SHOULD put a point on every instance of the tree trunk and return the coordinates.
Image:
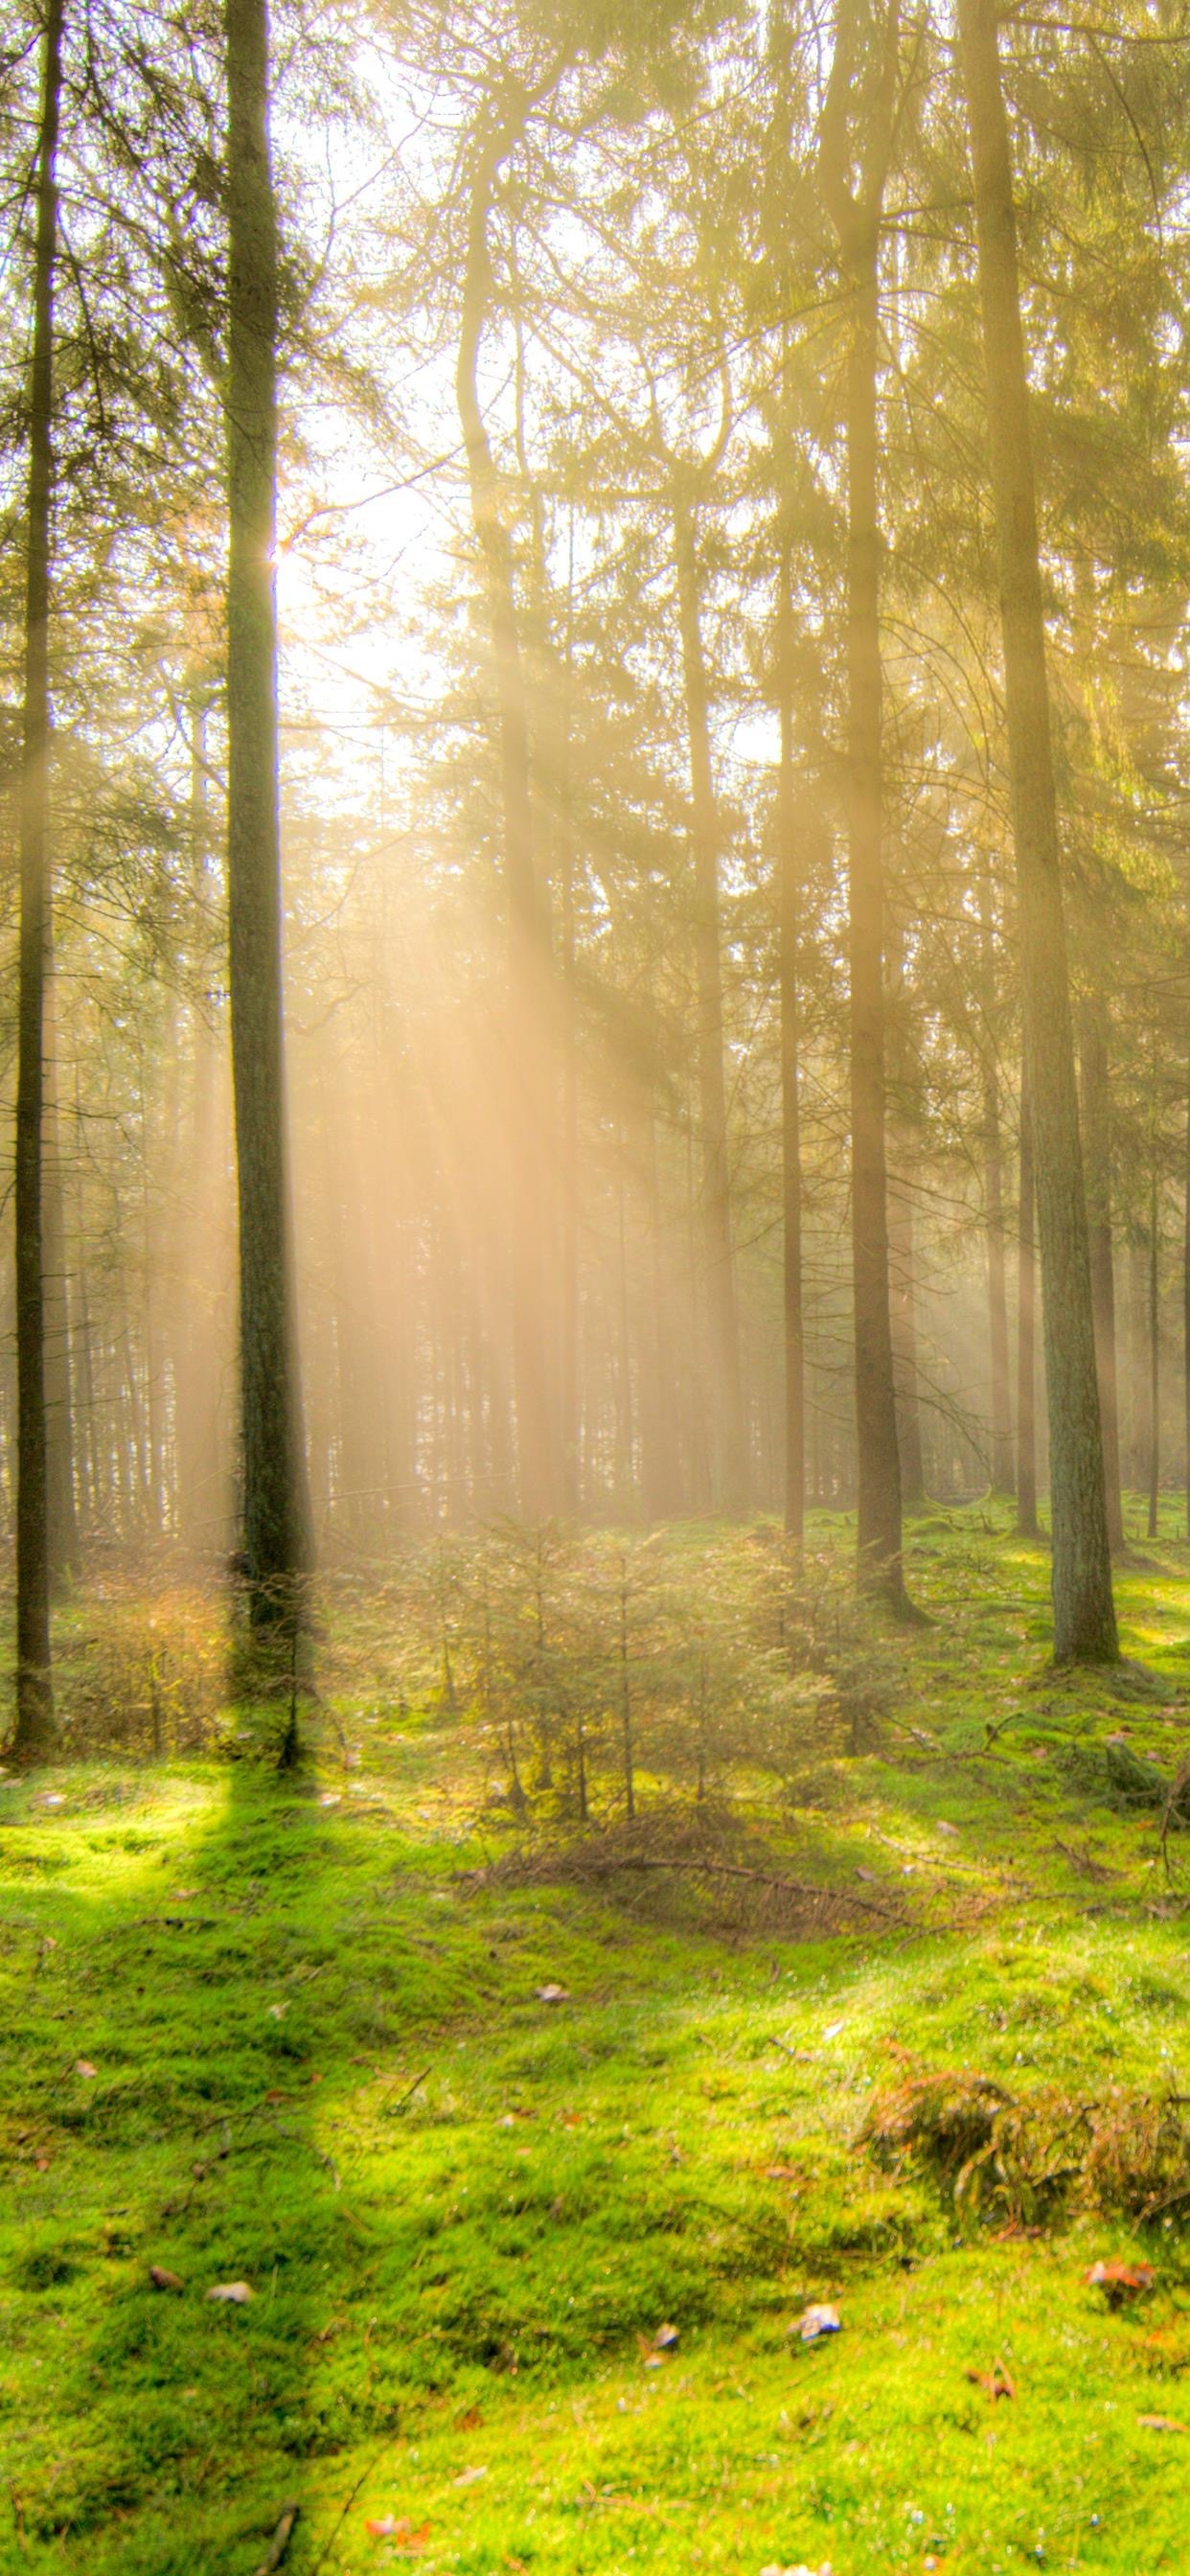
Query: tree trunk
(789, 904)
(730, 1453)
(857, 222)
(1026, 1383)
(35, 1726)
(273, 1477)
(61, 1508)
(527, 980)
(1154, 1321)
(993, 1171)
(902, 1250)
(879, 1496)
(1096, 1131)
(1186, 1314)
(1084, 1612)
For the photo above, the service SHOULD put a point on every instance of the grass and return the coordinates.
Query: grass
(321, 2066)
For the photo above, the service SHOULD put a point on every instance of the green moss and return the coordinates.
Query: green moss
(321, 2066)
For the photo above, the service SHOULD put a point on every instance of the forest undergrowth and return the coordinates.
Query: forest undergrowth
(654, 1952)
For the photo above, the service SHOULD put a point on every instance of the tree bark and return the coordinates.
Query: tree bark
(1096, 1132)
(1186, 1313)
(35, 1724)
(1026, 1389)
(61, 1507)
(789, 905)
(1084, 1612)
(857, 219)
(1154, 1322)
(902, 1249)
(527, 977)
(730, 1451)
(273, 1467)
(993, 1170)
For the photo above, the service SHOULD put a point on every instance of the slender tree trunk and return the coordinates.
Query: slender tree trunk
(789, 896)
(35, 1726)
(902, 1264)
(273, 1468)
(61, 1509)
(902, 1249)
(1154, 1322)
(879, 1496)
(527, 978)
(1139, 1425)
(1026, 1431)
(568, 1329)
(1084, 1612)
(661, 1473)
(993, 1170)
(1096, 1132)
(857, 218)
(731, 1446)
(1186, 1314)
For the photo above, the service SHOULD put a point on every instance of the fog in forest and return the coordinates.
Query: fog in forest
(652, 924)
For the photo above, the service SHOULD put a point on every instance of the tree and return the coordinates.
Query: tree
(866, 65)
(527, 948)
(35, 1701)
(1084, 1612)
(273, 1535)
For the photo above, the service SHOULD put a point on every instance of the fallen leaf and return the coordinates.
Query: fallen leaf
(83, 2066)
(1161, 2424)
(397, 2526)
(780, 2173)
(469, 2477)
(277, 2012)
(572, 2119)
(183, 1893)
(1119, 2281)
(234, 2294)
(995, 2383)
(470, 2422)
(163, 2280)
(553, 1994)
(816, 2321)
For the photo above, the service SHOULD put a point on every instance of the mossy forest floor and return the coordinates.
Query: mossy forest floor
(296, 2039)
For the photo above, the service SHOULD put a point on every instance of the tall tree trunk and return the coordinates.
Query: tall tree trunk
(1026, 1377)
(35, 1727)
(1084, 1612)
(61, 1509)
(1096, 1132)
(1186, 1314)
(730, 1463)
(857, 220)
(1154, 1323)
(902, 1263)
(789, 901)
(902, 1249)
(993, 1172)
(527, 962)
(273, 1471)
(1139, 1425)
(568, 1285)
